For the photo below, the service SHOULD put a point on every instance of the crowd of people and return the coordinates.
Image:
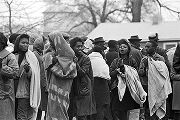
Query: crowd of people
(54, 74)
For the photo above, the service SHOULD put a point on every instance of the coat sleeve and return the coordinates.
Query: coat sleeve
(10, 67)
(113, 67)
(176, 59)
(83, 67)
(143, 67)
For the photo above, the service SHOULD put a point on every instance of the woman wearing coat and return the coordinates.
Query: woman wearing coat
(38, 48)
(28, 91)
(120, 108)
(60, 70)
(8, 71)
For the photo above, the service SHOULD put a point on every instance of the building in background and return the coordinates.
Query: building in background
(169, 32)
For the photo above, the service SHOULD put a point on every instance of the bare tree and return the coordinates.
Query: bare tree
(8, 3)
(101, 13)
(136, 10)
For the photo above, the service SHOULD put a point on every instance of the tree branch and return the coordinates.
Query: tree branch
(161, 5)
(83, 22)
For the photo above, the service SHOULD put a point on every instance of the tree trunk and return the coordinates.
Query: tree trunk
(136, 10)
(10, 16)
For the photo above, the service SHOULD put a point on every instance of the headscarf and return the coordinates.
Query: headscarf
(3, 40)
(64, 52)
(16, 47)
(39, 45)
(18, 39)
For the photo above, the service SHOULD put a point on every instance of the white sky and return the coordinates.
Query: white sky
(30, 11)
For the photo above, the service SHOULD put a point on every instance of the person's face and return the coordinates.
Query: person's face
(123, 49)
(102, 45)
(78, 47)
(149, 48)
(24, 44)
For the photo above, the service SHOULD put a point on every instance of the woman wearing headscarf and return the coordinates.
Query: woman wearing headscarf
(38, 48)
(8, 70)
(28, 91)
(120, 108)
(61, 70)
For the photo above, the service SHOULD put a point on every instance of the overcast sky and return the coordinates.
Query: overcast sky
(29, 11)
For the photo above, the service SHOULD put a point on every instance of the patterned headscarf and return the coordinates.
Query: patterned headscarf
(64, 52)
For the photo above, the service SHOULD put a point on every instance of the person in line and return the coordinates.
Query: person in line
(60, 70)
(101, 78)
(112, 52)
(146, 69)
(135, 48)
(120, 108)
(8, 71)
(28, 92)
(155, 37)
(38, 48)
(82, 83)
(11, 42)
(176, 83)
(10, 48)
(98, 42)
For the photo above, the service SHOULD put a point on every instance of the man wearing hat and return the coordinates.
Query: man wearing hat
(135, 48)
(99, 45)
(162, 52)
(135, 41)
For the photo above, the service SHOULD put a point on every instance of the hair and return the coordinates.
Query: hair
(112, 43)
(154, 44)
(18, 39)
(13, 37)
(3, 40)
(73, 41)
(124, 41)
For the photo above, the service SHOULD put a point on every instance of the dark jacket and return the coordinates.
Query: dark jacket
(110, 56)
(137, 55)
(162, 52)
(127, 102)
(143, 68)
(176, 79)
(83, 105)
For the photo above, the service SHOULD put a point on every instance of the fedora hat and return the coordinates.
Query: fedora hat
(97, 40)
(134, 38)
(153, 37)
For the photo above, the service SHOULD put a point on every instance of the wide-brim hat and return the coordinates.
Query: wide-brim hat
(153, 37)
(134, 38)
(97, 40)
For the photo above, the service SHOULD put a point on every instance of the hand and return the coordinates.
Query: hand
(26, 67)
(120, 63)
(54, 60)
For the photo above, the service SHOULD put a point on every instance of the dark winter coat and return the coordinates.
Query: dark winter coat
(110, 56)
(176, 79)
(83, 105)
(127, 102)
